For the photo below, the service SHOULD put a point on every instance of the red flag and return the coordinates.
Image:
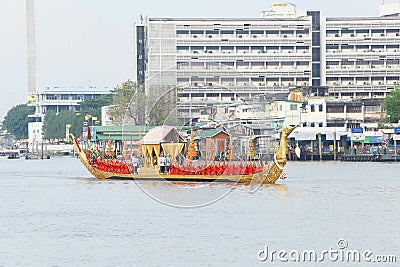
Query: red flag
(89, 134)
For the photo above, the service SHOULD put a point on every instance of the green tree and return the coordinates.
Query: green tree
(55, 124)
(162, 105)
(392, 105)
(93, 106)
(129, 103)
(16, 120)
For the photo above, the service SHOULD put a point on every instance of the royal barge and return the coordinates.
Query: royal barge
(230, 172)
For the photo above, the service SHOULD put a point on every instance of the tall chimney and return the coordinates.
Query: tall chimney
(30, 19)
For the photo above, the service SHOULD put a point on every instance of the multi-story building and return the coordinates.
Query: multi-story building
(341, 112)
(57, 99)
(361, 57)
(64, 98)
(140, 52)
(213, 61)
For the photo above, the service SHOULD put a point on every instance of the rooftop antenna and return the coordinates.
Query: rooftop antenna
(141, 19)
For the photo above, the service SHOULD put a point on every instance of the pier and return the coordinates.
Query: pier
(361, 157)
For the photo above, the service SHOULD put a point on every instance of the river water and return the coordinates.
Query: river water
(53, 213)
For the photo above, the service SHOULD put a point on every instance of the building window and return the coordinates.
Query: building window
(51, 97)
(354, 109)
(320, 108)
(312, 108)
(293, 107)
(335, 109)
(64, 97)
(76, 97)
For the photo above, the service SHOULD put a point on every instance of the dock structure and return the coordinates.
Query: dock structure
(361, 157)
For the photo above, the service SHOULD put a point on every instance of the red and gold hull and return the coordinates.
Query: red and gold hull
(267, 176)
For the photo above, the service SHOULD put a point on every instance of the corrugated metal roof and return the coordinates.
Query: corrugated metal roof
(128, 128)
(118, 137)
(162, 134)
(210, 133)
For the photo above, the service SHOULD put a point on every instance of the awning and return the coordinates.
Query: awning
(372, 140)
(311, 133)
(305, 137)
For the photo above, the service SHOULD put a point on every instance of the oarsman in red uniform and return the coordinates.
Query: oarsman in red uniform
(243, 168)
(219, 169)
(235, 169)
(224, 168)
(228, 170)
(207, 171)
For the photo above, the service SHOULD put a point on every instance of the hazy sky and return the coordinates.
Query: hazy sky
(82, 41)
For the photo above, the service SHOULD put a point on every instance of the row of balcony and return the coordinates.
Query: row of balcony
(363, 35)
(363, 67)
(243, 36)
(243, 66)
(357, 83)
(235, 73)
(362, 51)
(242, 57)
(249, 42)
(242, 51)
